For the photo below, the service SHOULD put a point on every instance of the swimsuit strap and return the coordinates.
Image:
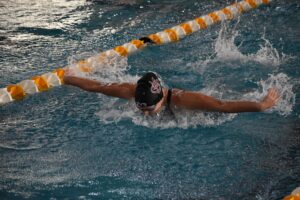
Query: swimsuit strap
(169, 97)
(169, 103)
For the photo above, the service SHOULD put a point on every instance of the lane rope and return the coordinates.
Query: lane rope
(295, 195)
(55, 78)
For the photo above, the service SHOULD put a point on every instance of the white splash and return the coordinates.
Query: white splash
(115, 70)
(287, 96)
(110, 113)
(225, 49)
(110, 69)
(114, 111)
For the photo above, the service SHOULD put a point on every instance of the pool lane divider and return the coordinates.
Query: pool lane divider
(55, 78)
(295, 195)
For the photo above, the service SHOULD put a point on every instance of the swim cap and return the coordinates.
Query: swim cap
(148, 90)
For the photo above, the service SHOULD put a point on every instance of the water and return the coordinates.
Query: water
(67, 143)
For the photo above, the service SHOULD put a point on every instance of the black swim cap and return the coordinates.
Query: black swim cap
(148, 90)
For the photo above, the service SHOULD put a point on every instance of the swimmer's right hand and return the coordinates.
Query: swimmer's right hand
(270, 99)
(69, 72)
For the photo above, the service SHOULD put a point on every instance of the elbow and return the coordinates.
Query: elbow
(224, 106)
(221, 106)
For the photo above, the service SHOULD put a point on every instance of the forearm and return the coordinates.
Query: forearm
(239, 106)
(85, 84)
(120, 90)
(199, 101)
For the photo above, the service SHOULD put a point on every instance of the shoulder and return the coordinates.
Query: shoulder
(128, 89)
(176, 96)
(177, 93)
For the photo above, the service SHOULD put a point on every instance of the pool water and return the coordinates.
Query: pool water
(70, 144)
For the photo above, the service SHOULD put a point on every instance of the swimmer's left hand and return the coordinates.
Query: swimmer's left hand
(69, 74)
(270, 100)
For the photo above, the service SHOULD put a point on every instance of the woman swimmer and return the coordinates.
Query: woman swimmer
(150, 97)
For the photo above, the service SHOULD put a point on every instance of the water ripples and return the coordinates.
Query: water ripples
(70, 142)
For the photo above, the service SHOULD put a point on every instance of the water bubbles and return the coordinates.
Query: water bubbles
(281, 83)
(225, 49)
(113, 31)
(114, 69)
(268, 55)
(114, 111)
(288, 98)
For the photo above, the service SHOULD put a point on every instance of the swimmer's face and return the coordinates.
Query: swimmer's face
(149, 91)
(152, 110)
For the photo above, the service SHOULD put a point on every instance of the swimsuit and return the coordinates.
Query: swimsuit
(168, 106)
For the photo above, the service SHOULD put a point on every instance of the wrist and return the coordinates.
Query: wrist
(262, 106)
(66, 79)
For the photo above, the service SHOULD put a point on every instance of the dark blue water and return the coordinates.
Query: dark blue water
(70, 144)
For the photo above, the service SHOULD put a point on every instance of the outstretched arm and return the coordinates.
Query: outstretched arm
(199, 101)
(120, 90)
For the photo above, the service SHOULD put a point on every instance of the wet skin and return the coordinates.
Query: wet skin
(180, 98)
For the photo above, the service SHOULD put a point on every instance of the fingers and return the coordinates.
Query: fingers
(272, 91)
(69, 72)
(273, 94)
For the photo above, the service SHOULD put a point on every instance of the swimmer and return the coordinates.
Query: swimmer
(150, 97)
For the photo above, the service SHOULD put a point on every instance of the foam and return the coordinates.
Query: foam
(226, 50)
(115, 68)
(114, 111)
(282, 82)
(183, 119)
(110, 69)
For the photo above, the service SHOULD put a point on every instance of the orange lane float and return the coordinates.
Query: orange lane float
(51, 79)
